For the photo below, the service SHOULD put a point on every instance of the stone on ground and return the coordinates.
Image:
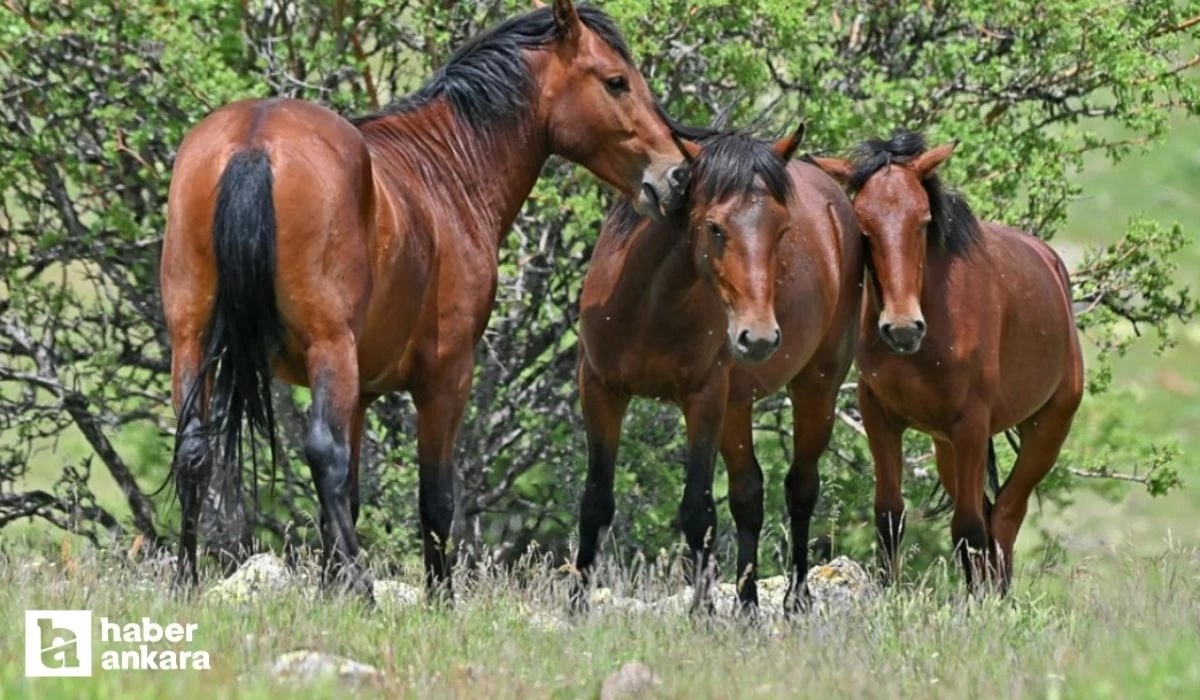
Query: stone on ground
(396, 595)
(261, 573)
(307, 666)
(633, 680)
(837, 585)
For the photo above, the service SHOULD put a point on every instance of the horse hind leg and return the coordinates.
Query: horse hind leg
(333, 374)
(192, 464)
(1042, 437)
(968, 524)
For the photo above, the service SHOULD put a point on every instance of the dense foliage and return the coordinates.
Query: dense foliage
(95, 96)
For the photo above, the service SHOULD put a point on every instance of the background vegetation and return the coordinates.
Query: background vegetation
(1046, 97)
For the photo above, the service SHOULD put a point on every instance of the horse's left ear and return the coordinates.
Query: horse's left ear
(566, 19)
(689, 149)
(925, 164)
(786, 147)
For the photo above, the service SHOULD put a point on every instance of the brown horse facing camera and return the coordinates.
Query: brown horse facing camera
(755, 286)
(361, 258)
(967, 331)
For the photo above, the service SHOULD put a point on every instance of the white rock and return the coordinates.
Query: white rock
(838, 584)
(261, 573)
(605, 599)
(547, 622)
(306, 666)
(634, 679)
(394, 595)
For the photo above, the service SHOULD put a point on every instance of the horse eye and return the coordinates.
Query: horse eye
(617, 84)
(716, 230)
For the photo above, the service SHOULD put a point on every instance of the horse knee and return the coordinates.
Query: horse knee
(803, 487)
(698, 520)
(192, 465)
(597, 508)
(436, 505)
(746, 501)
(329, 459)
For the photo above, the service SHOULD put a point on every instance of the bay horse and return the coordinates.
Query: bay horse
(753, 286)
(359, 258)
(968, 331)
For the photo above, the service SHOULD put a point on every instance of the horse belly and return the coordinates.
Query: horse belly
(1038, 337)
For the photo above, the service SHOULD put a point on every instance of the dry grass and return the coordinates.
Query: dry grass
(1118, 627)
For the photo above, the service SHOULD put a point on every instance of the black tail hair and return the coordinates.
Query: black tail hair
(245, 327)
(945, 502)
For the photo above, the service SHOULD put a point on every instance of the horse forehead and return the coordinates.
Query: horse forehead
(749, 209)
(594, 53)
(892, 192)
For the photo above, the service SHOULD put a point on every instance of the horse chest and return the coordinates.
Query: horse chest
(927, 390)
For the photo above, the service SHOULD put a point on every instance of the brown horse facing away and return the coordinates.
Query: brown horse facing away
(756, 286)
(967, 331)
(361, 258)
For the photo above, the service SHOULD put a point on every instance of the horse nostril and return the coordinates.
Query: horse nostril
(886, 329)
(743, 340)
(920, 325)
(776, 338)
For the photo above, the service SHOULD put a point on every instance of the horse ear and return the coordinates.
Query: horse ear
(786, 147)
(925, 164)
(538, 4)
(566, 19)
(689, 149)
(836, 168)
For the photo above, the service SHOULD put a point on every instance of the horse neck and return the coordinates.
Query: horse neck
(661, 256)
(480, 177)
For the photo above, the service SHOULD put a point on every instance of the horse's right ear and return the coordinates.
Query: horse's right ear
(786, 147)
(836, 168)
(566, 19)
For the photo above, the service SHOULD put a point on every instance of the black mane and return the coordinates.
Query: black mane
(487, 79)
(953, 226)
(729, 164)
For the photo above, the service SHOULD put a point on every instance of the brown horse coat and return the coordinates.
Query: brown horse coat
(967, 331)
(665, 306)
(361, 258)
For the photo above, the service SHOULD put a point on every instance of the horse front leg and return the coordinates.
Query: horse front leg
(704, 412)
(603, 411)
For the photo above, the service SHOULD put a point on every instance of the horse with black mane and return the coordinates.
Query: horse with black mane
(753, 286)
(359, 258)
(968, 331)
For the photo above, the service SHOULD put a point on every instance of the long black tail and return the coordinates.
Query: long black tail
(245, 328)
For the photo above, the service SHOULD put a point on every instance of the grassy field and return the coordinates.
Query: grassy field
(1118, 627)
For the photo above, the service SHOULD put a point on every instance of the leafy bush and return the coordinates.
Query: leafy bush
(95, 97)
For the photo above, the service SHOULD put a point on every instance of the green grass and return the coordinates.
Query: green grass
(1106, 628)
